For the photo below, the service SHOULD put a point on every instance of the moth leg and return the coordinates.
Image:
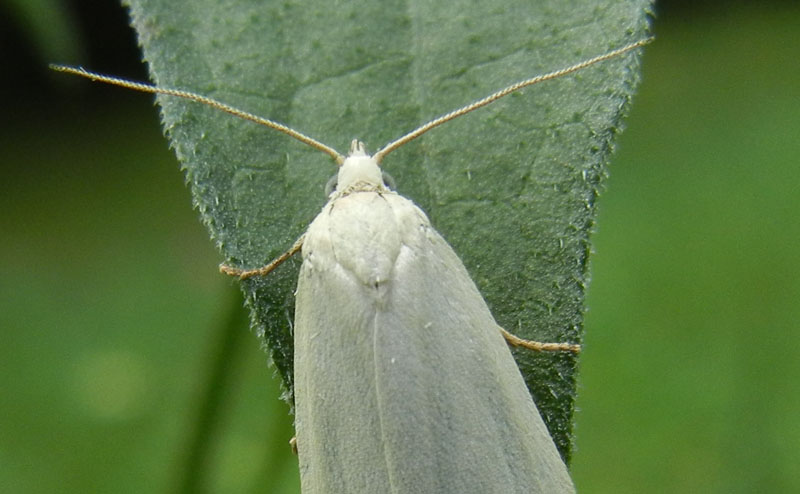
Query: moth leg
(243, 274)
(539, 347)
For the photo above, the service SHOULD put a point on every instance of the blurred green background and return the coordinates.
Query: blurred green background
(114, 320)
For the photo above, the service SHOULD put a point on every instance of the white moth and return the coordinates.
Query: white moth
(404, 382)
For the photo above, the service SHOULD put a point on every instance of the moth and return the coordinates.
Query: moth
(404, 382)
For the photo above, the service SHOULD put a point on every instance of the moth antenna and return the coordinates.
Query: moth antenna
(149, 88)
(503, 92)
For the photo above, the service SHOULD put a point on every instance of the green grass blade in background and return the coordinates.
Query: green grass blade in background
(225, 353)
(512, 187)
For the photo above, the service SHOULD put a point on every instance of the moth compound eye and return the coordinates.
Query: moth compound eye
(331, 185)
(388, 181)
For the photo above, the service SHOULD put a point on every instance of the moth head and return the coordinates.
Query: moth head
(358, 172)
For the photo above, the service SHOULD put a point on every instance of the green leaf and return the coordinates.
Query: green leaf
(511, 186)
